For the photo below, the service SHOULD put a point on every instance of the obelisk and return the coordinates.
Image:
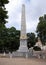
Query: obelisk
(23, 36)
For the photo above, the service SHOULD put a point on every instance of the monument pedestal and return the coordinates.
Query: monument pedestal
(23, 46)
(23, 50)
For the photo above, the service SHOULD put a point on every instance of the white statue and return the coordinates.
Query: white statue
(39, 43)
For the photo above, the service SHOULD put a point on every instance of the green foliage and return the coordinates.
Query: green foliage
(9, 39)
(36, 48)
(30, 40)
(41, 28)
(3, 16)
(3, 12)
(13, 39)
(3, 2)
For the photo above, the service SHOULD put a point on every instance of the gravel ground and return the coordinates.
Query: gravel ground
(22, 61)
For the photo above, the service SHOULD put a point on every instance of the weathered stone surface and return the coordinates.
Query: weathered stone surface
(23, 37)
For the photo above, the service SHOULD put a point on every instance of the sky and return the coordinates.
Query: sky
(33, 8)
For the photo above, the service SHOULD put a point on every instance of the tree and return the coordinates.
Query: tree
(12, 39)
(3, 12)
(3, 21)
(41, 28)
(3, 2)
(9, 37)
(31, 39)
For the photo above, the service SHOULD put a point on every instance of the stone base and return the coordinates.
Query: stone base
(23, 50)
(20, 54)
(23, 46)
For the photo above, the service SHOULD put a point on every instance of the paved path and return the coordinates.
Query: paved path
(22, 61)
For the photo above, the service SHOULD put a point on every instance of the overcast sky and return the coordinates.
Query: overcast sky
(34, 9)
